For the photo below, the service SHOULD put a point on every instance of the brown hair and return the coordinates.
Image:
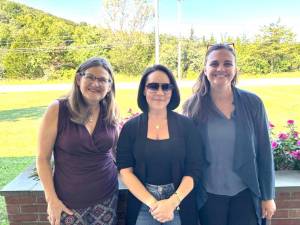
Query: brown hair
(197, 106)
(77, 106)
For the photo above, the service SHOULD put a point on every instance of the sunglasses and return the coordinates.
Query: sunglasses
(231, 45)
(155, 86)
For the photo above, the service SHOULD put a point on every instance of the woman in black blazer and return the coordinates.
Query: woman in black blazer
(158, 155)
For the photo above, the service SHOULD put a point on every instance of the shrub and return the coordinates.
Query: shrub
(286, 147)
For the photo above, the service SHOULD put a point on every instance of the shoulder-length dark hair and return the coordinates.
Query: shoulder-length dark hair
(77, 106)
(197, 107)
(141, 98)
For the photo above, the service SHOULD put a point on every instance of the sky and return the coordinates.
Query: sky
(210, 17)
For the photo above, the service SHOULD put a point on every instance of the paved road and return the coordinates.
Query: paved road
(134, 85)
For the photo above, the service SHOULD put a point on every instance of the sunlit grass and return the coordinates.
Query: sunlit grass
(20, 113)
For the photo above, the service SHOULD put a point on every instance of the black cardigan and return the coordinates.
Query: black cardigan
(185, 160)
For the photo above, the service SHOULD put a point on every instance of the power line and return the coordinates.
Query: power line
(46, 40)
(70, 48)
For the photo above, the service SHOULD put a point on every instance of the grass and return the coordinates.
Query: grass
(270, 75)
(9, 168)
(281, 102)
(20, 113)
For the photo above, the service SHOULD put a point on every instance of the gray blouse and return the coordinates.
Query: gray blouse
(220, 177)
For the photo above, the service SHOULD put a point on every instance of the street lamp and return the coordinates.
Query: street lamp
(179, 75)
(156, 8)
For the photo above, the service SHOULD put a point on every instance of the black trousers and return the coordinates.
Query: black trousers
(228, 210)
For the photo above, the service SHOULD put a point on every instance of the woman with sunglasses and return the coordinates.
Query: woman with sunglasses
(156, 155)
(80, 130)
(237, 170)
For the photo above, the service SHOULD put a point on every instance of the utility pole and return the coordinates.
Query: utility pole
(156, 2)
(179, 75)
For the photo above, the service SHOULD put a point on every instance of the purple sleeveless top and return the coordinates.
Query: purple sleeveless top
(85, 173)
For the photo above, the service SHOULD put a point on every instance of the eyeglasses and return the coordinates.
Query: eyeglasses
(91, 78)
(154, 87)
(231, 45)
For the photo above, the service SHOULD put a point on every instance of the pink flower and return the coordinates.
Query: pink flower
(274, 144)
(283, 136)
(271, 125)
(121, 124)
(290, 122)
(296, 134)
(298, 143)
(296, 154)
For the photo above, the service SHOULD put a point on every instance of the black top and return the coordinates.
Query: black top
(158, 161)
(184, 159)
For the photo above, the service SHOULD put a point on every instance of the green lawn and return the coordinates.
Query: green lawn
(20, 113)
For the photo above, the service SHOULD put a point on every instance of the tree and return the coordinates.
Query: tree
(275, 45)
(133, 54)
(127, 15)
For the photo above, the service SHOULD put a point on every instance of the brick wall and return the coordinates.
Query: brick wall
(288, 207)
(26, 208)
(26, 204)
(29, 208)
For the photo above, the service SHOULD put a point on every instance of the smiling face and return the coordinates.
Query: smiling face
(157, 99)
(94, 84)
(220, 68)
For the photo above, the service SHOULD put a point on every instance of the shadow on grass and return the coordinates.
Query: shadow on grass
(24, 113)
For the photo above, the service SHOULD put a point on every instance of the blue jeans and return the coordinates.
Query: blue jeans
(159, 192)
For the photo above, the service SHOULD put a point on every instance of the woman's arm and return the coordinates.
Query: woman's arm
(46, 140)
(265, 163)
(163, 210)
(136, 187)
(191, 173)
(126, 161)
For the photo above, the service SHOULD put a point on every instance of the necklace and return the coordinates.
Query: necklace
(92, 118)
(157, 129)
(157, 126)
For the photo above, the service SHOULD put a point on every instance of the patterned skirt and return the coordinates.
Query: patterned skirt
(104, 213)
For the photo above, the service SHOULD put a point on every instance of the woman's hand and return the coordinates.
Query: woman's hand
(268, 208)
(54, 210)
(163, 210)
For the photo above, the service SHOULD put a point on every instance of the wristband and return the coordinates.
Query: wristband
(178, 196)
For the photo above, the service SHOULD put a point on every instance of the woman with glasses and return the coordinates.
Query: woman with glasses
(156, 155)
(237, 171)
(80, 131)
